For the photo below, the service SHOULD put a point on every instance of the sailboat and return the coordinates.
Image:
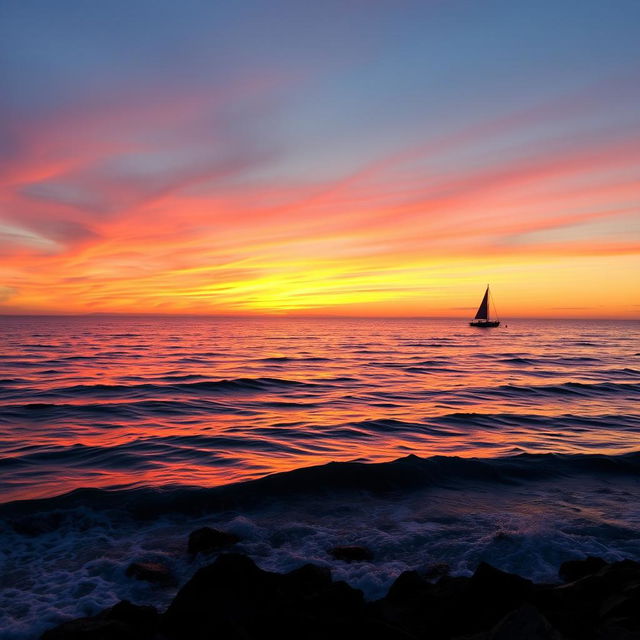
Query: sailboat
(483, 318)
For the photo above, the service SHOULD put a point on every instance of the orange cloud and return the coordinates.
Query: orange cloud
(122, 218)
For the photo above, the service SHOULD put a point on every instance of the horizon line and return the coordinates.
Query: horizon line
(98, 314)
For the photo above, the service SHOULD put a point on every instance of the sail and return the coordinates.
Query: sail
(483, 309)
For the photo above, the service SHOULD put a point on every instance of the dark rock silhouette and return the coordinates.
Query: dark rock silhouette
(309, 578)
(493, 593)
(525, 623)
(408, 586)
(234, 599)
(239, 600)
(207, 540)
(583, 606)
(123, 621)
(575, 569)
(437, 570)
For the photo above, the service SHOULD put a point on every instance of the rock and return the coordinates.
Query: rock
(489, 579)
(352, 553)
(233, 598)
(525, 623)
(309, 578)
(452, 587)
(437, 570)
(207, 540)
(623, 609)
(421, 608)
(607, 598)
(575, 569)
(623, 604)
(620, 575)
(489, 596)
(123, 621)
(154, 572)
(408, 586)
(612, 631)
(221, 597)
(142, 617)
(491, 605)
(337, 599)
(573, 607)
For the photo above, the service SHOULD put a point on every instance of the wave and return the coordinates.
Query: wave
(562, 422)
(131, 410)
(622, 381)
(294, 359)
(6, 382)
(199, 387)
(404, 474)
(589, 389)
(518, 360)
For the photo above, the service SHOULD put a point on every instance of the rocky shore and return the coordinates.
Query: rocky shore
(233, 599)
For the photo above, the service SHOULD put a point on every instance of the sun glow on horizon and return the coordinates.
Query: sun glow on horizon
(285, 184)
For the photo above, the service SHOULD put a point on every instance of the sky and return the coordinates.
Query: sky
(352, 157)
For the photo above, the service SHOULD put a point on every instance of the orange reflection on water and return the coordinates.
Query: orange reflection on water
(109, 401)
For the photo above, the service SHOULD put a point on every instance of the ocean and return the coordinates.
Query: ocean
(428, 441)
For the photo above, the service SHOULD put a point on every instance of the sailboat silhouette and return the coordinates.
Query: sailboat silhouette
(483, 318)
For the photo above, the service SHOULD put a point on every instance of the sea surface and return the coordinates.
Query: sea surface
(429, 441)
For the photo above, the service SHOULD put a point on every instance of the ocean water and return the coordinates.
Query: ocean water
(427, 440)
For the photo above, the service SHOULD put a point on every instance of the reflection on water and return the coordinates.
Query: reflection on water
(106, 401)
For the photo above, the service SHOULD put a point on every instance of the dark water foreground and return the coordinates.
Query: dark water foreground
(71, 556)
(232, 598)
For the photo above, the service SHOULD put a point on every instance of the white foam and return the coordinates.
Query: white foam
(79, 568)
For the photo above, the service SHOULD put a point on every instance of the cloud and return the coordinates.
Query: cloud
(71, 174)
(6, 293)
(168, 205)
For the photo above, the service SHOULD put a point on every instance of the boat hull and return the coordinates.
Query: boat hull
(484, 324)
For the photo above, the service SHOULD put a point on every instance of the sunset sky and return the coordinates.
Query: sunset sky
(351, 157)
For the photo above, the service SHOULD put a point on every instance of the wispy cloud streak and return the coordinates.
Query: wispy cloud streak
(219, 198)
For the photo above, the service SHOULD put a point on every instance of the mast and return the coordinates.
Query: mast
(494, 306)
